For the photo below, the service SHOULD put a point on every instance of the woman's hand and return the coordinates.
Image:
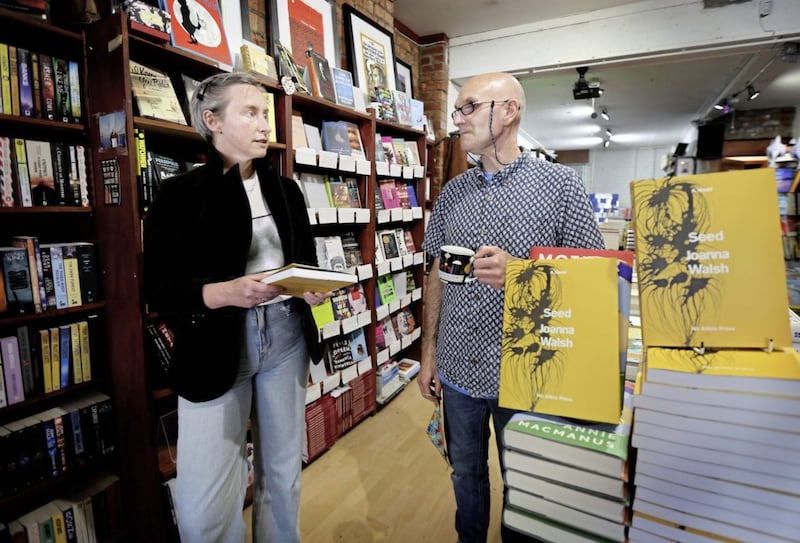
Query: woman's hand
(246, 291)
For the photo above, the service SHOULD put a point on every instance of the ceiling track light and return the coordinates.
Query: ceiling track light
(608, 132)
(606, 143)
(752, 93)
(604, 113)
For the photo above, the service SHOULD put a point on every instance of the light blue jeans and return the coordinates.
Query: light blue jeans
(212, 435)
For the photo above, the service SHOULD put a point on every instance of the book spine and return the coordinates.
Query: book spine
(70, 530)
(51, 448)
(12, 370)
(5, 78)
(59, 277)
(3, 394)
(14, 72)
(26, 361)
(7, 196)
(55, 357)
(75, 90)
(39, 272)
(75, 352)
(72, 276)
(61, 444)
(77, 434)
(17, 277)
(27, 243)
(65, 352)
(60, 172)
(61, 81)
(25, 82)
(74, 187)
(86, 353)
(44, 352)
(87, 268)
(23, 175)
(80, 152)
(47, 278)
(47, 82)
(37, 85)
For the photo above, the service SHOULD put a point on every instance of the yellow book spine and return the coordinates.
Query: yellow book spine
(75, 344)
(86, 360)
(59, 531)
(72, 276)
(47, 370)
(5, 78)
(55, 358)
(14, 75)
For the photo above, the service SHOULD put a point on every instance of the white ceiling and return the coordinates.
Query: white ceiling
(651, 103)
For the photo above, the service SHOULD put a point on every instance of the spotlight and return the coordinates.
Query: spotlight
(752, 93)
(606, 143)
(604, 113)
(724, 106)
(608, 132)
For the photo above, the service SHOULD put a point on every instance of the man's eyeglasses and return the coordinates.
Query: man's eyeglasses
(469, 108)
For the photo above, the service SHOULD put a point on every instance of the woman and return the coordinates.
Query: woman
(241, 349)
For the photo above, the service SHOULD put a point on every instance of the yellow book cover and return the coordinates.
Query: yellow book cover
(55, 358)
(323, 313)
(256, 59)
(560, 350)
(47, 369)
(86, 359)
(750, 371)
(710, 262)
(75, 355)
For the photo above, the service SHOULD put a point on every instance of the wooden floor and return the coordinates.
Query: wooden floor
(384, 482)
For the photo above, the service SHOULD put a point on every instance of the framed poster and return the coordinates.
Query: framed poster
(300, 23)
(197, 27)
(404, 82)
(370, 51)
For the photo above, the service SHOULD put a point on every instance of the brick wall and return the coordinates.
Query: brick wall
(760, 123)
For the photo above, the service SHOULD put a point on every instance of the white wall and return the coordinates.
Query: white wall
(612, 171)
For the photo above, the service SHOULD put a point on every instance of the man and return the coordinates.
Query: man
(509, 202)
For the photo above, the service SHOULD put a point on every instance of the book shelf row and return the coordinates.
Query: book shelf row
(44, 276)
(42, 173)
(39, 85)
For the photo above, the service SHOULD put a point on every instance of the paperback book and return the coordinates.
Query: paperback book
(154, 95)
(602, 448)
(701, 248)
(560, 347)
(299, 278)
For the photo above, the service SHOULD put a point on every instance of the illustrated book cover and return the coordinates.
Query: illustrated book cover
(710, 261)
(560, 347)
(625, 276)
(197, 27)
(154, 94)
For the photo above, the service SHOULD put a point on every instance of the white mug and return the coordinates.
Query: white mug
(455, 264)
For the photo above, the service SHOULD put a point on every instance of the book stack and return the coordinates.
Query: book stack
(322, 427)
(716, 429)
(567, 480)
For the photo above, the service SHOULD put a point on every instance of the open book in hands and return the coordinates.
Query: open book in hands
(300, 278)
